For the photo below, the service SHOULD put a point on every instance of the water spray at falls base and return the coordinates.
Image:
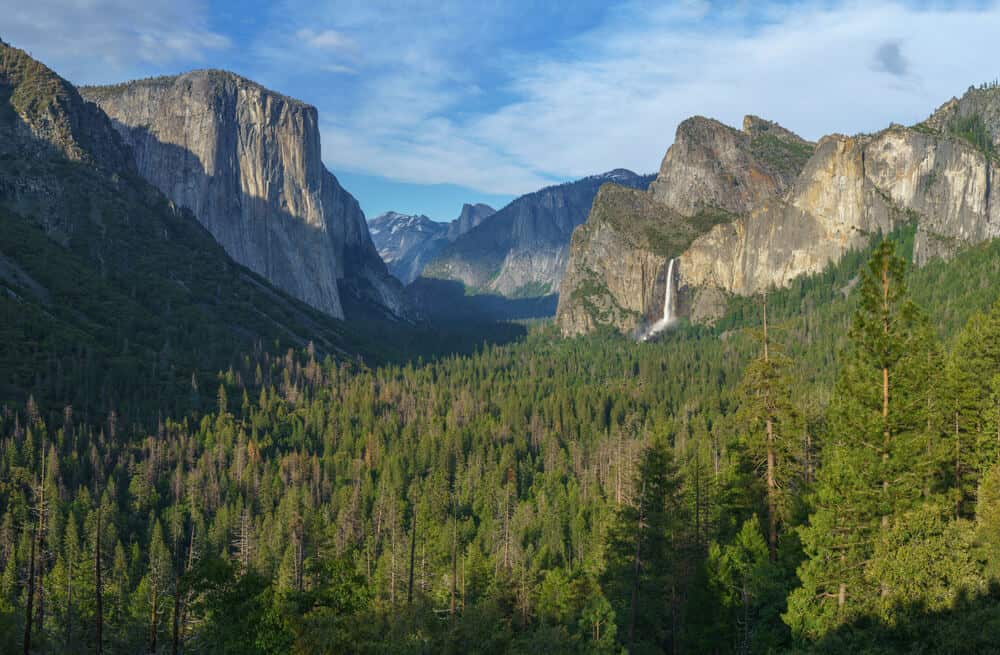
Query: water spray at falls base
(668, 307)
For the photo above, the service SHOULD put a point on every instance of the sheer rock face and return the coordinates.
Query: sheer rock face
(852, 189)
(796, 216)
(246, 161)
(522, 249)
(710, 175)
(407, 242)
(614, 275)
(470, 217)
(67, 175)
(710, 165)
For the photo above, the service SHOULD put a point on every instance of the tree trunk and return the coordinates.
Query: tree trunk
(152, 618)
(98, 594)
(454, 564)
(176, 628)
(772, 504)
(69, 601)
(28, 618)
(772, 488)
(413, 556)
(637, 568)
(958, 468)
(886, 437)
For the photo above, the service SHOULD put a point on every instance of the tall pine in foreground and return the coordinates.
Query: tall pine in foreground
(645, 555)
(876, 466)
(769, 418)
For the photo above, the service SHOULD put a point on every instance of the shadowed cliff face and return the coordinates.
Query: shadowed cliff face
(408, 242)
(618, 260)
(246, 161)
(795, 208)
(521, 251)
(99, 269)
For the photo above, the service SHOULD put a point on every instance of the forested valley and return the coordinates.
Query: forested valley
(818, 472)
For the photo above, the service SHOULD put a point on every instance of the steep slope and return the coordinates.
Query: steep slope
(522, 249)
(406, 242)
(468, 218)
(105, 285)
(852, 188)
(710, 175)
(246, 161)
(794, 219)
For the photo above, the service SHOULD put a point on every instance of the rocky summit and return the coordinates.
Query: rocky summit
(521, 251)
(246, 161)
(407, 242)
(98, 267)
(792, 207)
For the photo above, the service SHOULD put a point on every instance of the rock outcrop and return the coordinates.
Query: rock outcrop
(711, 174)
(94, 259)
(797, 208)
(852, 189)
(246, 161)
(521, 251)
(468, 218)
(407, 242)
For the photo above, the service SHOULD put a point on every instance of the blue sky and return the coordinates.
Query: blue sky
(426, 105)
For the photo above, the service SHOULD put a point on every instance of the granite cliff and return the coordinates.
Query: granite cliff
(521, 251)
(712, 174)
(246, 161)
(794, 208)
(100, 274)
(407, 242)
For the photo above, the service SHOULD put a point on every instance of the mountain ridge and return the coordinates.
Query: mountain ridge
(246, 160)
(790, 214)
(521, 249)
(406, 242)
(118, 291)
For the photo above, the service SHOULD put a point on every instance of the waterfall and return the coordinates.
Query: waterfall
(668, 305)
(670, 286)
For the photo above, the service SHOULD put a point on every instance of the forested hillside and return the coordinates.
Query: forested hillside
(827, 484)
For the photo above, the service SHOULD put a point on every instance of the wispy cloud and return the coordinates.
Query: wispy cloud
(102, 41)
(507, 97)
(611, 95)
(325, 39)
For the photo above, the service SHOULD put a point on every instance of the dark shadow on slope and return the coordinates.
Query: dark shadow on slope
(290, 253)
(445, 300)
(254, 230)
(971, 626)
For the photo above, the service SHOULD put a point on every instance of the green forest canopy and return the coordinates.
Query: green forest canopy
(497, 501)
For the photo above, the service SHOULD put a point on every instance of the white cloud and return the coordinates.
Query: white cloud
(613, 96)
(102, 41)
(450, 92)
(325, 39)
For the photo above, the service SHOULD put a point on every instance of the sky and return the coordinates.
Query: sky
(426, 105)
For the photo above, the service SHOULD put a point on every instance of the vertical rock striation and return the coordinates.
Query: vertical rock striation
(795, 207)
(712, 174)
(246, 161)
(522, 250)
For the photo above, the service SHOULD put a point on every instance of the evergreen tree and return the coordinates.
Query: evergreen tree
(771, 424)
(876, 466)
(644, 556)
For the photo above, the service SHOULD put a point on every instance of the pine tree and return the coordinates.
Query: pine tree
(643, 553)
(973, 401)
(772, 425)
(875, 468)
